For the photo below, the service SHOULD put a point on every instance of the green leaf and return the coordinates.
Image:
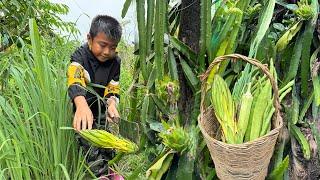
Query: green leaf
(314, 66)
(305, 52)
(295, 107)
(174, 18)
(315, 133)
(279, 171)
(182, 48)
(152, 77)
(163, 108)
(172, 65)
(125, 8)
(156, 171)
(285, 39)
(172, 171)
(219, 37)
(295, 60)
(35, 39)
(65, 172)
(15, 3)
(135, 173)
(66, 128)
(156, 126)
(316, 87)
(278, 26)
(295, 131)
(306, 106)
(263, 26)
(190, 75)
(144, 112)
(291, 7)
(185, 167)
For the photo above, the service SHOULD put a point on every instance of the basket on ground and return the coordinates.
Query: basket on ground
(248, 160)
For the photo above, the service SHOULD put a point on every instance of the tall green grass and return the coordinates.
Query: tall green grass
(33, 107)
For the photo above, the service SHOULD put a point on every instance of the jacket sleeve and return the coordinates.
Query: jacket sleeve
(77, 77)
(113, 87)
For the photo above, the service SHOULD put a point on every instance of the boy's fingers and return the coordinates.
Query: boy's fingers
(78, 123)
(74, 124)
(84, 124)
(109, 119)
(90, 125)
(116, 119)
(89, 122)
(89, 117)
(111, 114)
(116, 114)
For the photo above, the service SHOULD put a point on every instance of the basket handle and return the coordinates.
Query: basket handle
(254, 62)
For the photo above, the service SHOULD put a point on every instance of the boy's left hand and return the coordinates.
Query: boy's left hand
(113, 114)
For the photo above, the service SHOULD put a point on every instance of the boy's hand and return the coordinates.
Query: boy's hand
(113, 114)
(83, 118)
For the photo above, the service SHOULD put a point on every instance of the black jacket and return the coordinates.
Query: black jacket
(106, 74)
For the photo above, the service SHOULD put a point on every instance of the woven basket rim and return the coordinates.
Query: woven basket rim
(270, 133)
(261, 147)
(276, 120)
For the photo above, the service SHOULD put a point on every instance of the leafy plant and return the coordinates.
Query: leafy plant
(32, 111)
(14, 16)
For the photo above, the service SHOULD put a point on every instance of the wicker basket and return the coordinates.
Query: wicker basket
(249, 160)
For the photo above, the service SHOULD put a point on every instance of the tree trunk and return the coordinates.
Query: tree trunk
(189, 34)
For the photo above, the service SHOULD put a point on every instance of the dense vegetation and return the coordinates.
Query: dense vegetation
(178, 41)
(34, 106)
(160, 88)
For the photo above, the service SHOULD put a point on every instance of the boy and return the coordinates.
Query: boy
(97, 62)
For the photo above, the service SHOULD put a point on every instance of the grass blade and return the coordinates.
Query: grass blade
(67, 177)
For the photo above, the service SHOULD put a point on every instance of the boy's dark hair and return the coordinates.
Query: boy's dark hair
(106, 24)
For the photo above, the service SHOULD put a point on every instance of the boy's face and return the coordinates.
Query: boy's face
(102, 47)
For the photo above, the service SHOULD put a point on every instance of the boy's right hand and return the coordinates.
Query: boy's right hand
(83, 118)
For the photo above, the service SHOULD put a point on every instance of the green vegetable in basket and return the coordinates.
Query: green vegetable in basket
(258, 109)
(244, 114)
(224, 109)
